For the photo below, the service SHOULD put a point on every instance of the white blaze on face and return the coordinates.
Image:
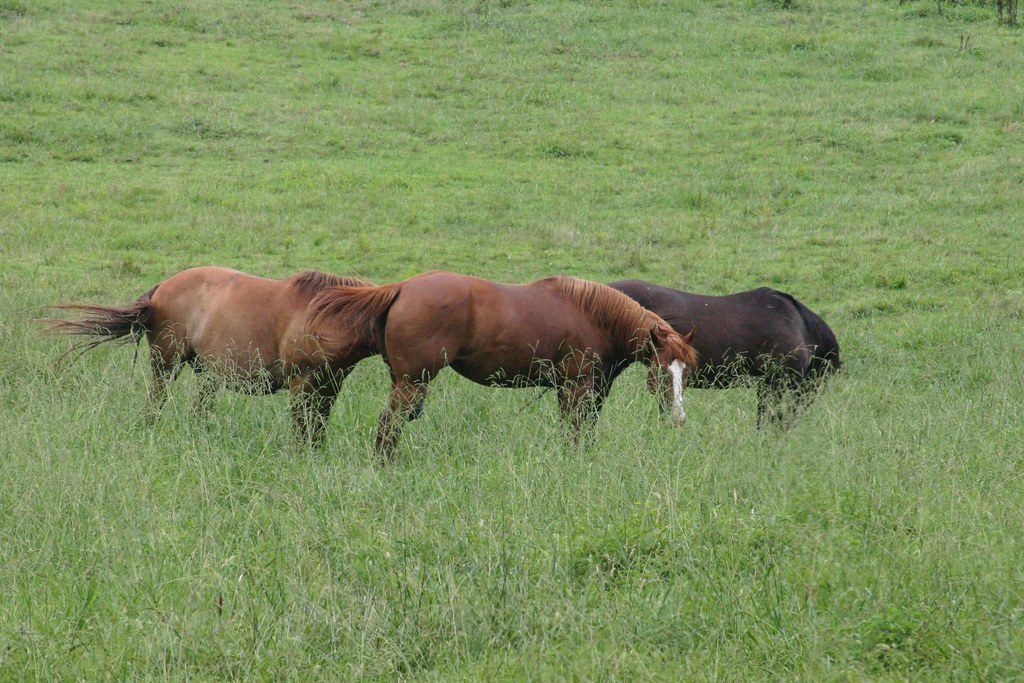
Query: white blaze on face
(678, 414)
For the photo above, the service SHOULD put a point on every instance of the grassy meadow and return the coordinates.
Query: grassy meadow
(864, 155)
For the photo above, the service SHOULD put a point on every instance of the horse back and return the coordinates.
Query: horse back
(476, 311)
(483, 329)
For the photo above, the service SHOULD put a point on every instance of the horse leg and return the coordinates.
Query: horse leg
(780, 392)
(770, 399)
(204, 399)
(793, 386)
(164, 364)
(404, 404)
(312, 397)
(323, 403)
(778, 402)
(801, 393)
(580, 404)
(656, 386)
(203, 405)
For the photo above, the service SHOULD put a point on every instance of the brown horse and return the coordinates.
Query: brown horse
(563, 332)
(246, 330)
(763, 334)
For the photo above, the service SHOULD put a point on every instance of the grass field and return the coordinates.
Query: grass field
(862, 155)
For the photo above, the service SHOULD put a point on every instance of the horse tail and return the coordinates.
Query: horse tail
(821, 339)
(361, 311)
(109, 323)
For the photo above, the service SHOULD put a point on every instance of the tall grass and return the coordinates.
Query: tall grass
(879, 535)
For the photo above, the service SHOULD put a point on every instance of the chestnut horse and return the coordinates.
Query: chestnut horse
(563, 332)
(762, 334)
(247, 330)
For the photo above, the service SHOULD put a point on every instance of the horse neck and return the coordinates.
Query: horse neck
(626, 323)
(634, 340)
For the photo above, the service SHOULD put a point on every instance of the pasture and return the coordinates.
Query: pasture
(864, 156)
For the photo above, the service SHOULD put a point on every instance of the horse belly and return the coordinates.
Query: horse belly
(251, 370)
(721, 371)
(497, 374)
(241, 350)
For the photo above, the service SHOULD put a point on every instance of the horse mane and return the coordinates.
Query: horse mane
(620, 315)
(313, 281)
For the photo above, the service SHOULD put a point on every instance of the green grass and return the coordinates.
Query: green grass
(850, 153)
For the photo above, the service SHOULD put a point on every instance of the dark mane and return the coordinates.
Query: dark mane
(313, 281)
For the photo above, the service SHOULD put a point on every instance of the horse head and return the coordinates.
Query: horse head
(671, 359)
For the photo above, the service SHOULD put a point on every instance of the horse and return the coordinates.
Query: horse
(762, 334)
(244, 329)
(562, 332)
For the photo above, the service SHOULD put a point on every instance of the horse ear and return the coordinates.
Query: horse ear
(688, 337)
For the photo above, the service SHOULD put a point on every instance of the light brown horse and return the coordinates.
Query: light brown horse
(571, 334)
(246, 330)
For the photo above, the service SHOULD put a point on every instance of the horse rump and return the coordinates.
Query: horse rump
(820, 339)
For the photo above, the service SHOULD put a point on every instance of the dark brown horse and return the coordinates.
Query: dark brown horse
(762, 334)
(563, 332)
(246, 330)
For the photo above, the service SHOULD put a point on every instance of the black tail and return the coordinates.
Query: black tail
(108, 323)
(821, 339)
